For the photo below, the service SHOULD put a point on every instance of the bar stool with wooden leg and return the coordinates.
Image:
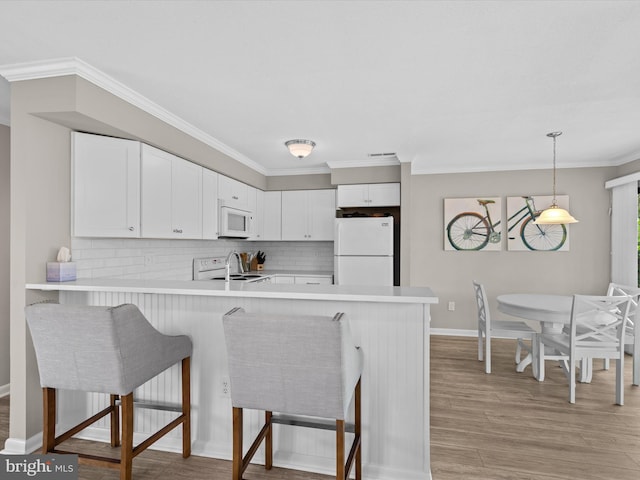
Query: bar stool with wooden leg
(294, 367)
(110, 350)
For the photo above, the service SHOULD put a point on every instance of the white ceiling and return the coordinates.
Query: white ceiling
(447, 85)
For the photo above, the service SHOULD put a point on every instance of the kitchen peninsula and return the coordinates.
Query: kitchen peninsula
(391, 324)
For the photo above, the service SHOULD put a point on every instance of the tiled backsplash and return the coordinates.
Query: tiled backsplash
(172, 259)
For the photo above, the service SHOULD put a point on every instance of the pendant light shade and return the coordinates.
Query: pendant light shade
(554, 215)
(300, 148)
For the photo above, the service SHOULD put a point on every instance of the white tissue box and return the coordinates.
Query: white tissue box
(61, 271)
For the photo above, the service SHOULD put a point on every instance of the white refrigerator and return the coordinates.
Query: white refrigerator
(363, 251)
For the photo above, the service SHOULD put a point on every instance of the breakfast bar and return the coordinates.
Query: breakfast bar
(391, 324)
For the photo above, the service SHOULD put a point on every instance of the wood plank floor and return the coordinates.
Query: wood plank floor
(491, 427)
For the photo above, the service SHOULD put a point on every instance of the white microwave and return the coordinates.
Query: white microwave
(234, 223)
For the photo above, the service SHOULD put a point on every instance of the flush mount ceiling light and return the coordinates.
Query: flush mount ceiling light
(554, 215)
(300, 148)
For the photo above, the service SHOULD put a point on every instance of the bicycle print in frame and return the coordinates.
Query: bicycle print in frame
(473, 223)
(525, 235)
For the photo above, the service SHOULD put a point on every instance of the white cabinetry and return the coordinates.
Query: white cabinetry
(272, 216)
(369, 195)
(171, 196)
(209, 204)
(308, 214)
(106, 186)
(233, 193)
(311, 280)
(256, 207)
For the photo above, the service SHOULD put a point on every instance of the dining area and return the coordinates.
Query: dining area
(578, 333)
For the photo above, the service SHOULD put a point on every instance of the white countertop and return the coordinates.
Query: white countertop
(380, 294)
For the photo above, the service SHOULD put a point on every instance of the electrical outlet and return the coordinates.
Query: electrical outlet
(225, 387)
(452, 306)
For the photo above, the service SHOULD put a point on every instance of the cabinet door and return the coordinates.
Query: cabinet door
(353, 195)
(272, 218)
(321, 214)
(295, 215)
(233, 193)
(307, 280)
(256, 207)
(282, 279)
(171, 196)
(106, 186)
(384, 195)
(186, 199)
(209, 204)
(156, 193)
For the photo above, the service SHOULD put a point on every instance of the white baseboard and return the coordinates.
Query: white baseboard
(454, 332)
(4, 390)
(15, 446)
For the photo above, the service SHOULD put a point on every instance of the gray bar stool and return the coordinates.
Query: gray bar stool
(294, 365)
(110, 350)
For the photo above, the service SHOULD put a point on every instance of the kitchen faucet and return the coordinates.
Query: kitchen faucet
(227, 266)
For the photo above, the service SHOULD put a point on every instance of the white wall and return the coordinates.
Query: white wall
(4, 258)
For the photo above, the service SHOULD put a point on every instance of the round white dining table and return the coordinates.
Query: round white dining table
(541, 307)
(552, 311)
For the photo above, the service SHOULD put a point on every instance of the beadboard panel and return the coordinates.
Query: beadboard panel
(395, 395)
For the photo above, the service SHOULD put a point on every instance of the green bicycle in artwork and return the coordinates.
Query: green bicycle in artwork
(474, 231)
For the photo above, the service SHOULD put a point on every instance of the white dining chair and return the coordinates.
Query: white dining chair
(632, 337)
(597, 329)
(488, 328)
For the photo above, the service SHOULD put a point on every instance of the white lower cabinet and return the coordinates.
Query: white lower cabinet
(308, 280)
(171, 196)
(304, 279)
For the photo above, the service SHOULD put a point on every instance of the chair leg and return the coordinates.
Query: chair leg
(572, 379)
(115, 421)
(49, 419)
(126, 451)
(487, 360)
(636, 358)
(480, 346)
(236, 468)
(186, 407)
(620, 378)
(268, 442)
(340, 471)
(358, 431)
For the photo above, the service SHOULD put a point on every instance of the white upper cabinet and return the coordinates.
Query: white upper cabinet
(272, 216)
(171, 196)
(308, 214)
(209, 204)
(233, 193)
(106, 186)
(369, 195)
(256, 207)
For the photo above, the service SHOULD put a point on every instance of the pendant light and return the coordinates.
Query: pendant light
(300, 148)
(554, 215)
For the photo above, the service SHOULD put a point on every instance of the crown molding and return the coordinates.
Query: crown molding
(370, 162)
(283, 172)
(75, 66)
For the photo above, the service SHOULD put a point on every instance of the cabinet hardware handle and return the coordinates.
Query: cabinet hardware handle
(131, 229)
(234, 197)
(175, 230)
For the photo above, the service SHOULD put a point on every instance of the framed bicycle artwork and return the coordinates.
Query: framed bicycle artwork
(473, 223)
(524, 234)
(476, 224)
